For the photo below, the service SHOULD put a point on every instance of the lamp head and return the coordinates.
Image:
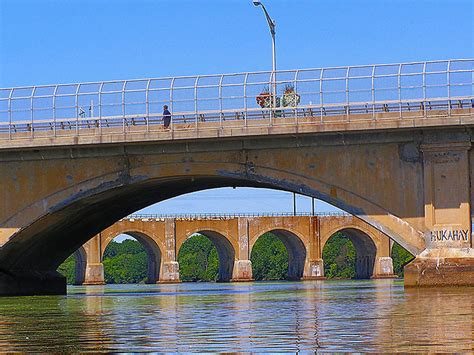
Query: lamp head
(257, 3)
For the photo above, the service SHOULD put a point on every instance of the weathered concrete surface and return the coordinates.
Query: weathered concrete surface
(234, 237)
(429, 272)
(411, 184)
(241, 128)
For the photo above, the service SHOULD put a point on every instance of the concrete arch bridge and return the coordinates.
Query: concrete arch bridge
(304, 237)
(389, 144)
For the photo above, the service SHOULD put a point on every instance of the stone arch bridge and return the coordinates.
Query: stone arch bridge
(304, 237)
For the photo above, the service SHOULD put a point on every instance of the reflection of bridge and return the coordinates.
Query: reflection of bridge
(304, 237)
(390, 144)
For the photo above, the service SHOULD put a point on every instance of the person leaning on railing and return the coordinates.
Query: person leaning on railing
(166, 117)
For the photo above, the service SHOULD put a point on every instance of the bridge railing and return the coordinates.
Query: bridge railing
(231, 215)
(322, 95)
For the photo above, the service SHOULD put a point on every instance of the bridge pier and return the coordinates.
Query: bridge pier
(383, 268)
(169, 273)
(94, 274)
(94, 268)
(242, 271)
(314, 270)
(448, 259)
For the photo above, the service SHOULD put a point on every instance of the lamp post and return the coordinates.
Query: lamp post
(271, 25)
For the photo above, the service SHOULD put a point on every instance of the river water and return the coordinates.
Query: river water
(359, 316)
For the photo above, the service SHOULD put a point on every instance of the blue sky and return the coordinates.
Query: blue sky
(47, 42)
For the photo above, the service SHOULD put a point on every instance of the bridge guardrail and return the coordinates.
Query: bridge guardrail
(232, 215)
(368, 92)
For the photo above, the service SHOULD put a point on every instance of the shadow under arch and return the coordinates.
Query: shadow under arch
(296, 252)
(225, 252)
(365, 248)
(152, 249)
(80, 265)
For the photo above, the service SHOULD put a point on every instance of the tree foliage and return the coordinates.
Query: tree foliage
(339, 257)
(198, 260)
(269, 258)
(68, 269)
(400, 257)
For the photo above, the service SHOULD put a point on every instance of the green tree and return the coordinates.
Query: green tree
(400, 257)
(68, 269)
(269, 258)
(339, 257)
(198, 259)
(126, 268)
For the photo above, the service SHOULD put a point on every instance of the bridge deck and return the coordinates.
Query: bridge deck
(151, 129)
(367, 97)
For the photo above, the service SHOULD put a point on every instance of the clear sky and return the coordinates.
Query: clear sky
(48, 42)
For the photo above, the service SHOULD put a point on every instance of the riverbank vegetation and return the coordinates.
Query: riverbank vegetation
(126, 262)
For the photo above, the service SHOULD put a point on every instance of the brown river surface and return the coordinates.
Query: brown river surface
(378, 315)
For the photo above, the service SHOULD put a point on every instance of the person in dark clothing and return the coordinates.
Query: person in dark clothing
(166, 117)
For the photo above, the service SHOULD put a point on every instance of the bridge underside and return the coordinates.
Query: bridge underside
(413, 185)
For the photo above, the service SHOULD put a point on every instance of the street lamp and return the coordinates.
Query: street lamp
(271, 25)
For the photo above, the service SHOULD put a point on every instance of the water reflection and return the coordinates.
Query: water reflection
(328, 316)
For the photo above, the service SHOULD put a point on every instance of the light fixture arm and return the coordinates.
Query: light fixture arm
(271, 23)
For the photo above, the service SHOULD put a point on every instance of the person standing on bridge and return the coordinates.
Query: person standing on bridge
(166, 117)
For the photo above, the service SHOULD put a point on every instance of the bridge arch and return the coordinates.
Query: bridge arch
(82, 209)
(152, 248)
(366, 244)
(295, 244)
(80, 265)
(225, 249)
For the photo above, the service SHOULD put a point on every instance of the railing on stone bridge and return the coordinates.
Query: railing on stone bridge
(208, 102)
(194, 216)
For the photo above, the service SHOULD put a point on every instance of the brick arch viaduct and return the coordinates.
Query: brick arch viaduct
(234, 237)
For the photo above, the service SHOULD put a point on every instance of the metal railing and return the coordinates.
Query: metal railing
(416, 89)
(231, 215)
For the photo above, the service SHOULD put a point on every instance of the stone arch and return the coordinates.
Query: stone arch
(80, 265)
(152, 249)
(225, 251)
(295, 245)
(365, 244)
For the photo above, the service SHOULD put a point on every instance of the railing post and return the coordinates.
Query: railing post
(448, 74)
(273, 99)
(54, 110)
(373, 92)
(245, 100)
(220, 100)
(195, 101)
(321, 96)
(296, 93)
(424, 89)
(77, 108)
(347, 94)
(124, 86)
(100, 108)
(32, 111)
(10, 95)
(171, 104)
(399, 90)
(147, 105)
